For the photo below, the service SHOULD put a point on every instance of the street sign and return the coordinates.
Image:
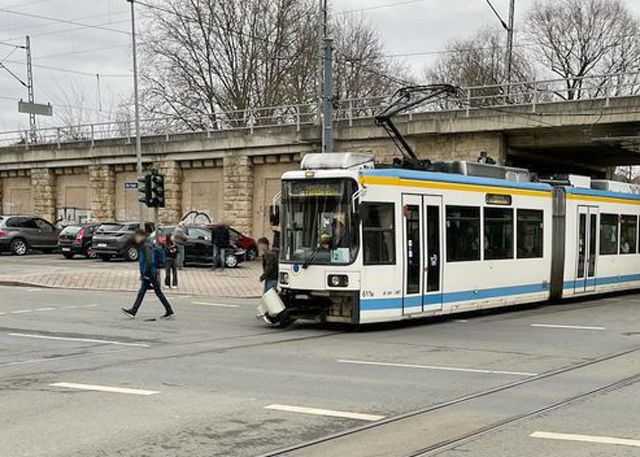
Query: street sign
(131, 185)
(35, 108)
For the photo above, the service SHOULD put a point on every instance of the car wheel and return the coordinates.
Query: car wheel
(68, 255)
(231, 261)
(19, 246)
(252, 253)
(105, 258)
(131, 254)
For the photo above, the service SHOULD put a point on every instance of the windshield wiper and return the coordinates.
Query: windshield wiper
(313, 255)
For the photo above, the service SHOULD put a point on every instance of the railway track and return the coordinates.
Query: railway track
(443, 445)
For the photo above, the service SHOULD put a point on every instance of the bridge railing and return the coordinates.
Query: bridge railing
(519, 93)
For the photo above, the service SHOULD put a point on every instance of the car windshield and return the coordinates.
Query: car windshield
(71, 230)
(317, 221)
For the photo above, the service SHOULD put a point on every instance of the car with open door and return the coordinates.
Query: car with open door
(76, 239)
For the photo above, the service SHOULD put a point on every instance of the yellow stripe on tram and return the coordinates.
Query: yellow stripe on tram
(599, 198)
(397, 181)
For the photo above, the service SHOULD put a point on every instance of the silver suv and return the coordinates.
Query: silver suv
(19, 234)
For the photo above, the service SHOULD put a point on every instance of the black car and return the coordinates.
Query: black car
(116, 240)
(198, 249)
(20, 234)
(76, 240)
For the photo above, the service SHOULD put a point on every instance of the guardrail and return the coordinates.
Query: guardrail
(527, 93)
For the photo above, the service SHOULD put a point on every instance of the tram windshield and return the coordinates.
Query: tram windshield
(318, 224)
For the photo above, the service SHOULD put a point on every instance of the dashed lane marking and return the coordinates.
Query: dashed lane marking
(586, 438)
(81, 340)
(436, 367)
(325, 412)
(22, 311)
(117, 390)
(569, 327)
(46, 309)
(220, 305)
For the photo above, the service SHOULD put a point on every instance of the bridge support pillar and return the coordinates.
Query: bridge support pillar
(238, 192)
(43, 183)
(102, 192)
(173, 178)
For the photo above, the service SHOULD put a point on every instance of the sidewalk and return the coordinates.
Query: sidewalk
(240, 282)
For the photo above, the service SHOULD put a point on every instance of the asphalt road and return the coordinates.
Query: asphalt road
(78, 379)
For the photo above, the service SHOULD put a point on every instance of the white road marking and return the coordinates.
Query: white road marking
(117, 390)
(55, 359)
(586, 438)
(435, 367)
(89, 306)
(570, 327)
(325, 412)
(82, 340)
(221, 305)
(46, 309)
(71, 307)
(22, 311)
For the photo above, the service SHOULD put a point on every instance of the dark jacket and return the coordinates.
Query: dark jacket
(146, 261)
(170, 251)
(270, 265)
(220, 236)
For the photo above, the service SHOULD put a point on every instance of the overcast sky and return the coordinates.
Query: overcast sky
(407, 26)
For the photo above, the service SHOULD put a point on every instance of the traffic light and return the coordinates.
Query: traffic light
(157, 189)
(144, 189)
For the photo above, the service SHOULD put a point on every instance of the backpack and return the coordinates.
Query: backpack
(158, 257)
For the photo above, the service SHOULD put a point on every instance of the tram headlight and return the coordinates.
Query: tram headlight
(284, 278)
(338, 280)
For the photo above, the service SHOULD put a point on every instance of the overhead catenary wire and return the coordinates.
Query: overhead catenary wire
(64, 21)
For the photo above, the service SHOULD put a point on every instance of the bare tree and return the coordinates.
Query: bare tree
(478, 61)
(205, 57)
(577, 38)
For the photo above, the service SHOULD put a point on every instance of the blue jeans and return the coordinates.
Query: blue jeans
(270, 284)
(219, 256)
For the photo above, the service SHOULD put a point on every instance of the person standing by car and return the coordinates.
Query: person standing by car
(147, 261)
(180, 238)
(170, 262)
(269, 265)
(221, 241)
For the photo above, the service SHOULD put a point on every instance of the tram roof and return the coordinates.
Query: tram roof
(454, 178)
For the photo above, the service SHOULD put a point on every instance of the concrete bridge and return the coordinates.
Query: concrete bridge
(234, 170)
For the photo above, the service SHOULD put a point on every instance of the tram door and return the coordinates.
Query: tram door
(586, 249)
(422, 253)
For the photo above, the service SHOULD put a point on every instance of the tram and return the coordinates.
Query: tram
(361, 244)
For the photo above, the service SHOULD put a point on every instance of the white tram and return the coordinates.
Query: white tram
(363, 245)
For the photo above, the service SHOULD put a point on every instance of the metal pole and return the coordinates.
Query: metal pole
(33, 128)
(327, 103)
(509, 50)
(137, 106)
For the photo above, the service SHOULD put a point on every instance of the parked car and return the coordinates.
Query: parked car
(116, 240)
(76, 239)
(19, 234)
(198, 249)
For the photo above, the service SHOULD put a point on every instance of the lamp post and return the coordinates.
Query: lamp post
(136, 102)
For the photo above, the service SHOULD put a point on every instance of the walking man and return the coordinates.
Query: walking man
(170, 263)
(180, 238)
(221, 241)
(148, 276)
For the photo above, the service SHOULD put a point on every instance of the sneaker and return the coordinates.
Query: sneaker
(168, 315)
(127, 312)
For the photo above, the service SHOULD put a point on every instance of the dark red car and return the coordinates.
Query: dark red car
(241, 241)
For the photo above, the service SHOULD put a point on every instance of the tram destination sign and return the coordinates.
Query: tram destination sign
(319, 189)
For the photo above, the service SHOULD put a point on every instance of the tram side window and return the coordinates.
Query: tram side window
(530, 233)
(628, 233)
(463, 233)
(498, 233)
(378, 227)
(608, 234)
